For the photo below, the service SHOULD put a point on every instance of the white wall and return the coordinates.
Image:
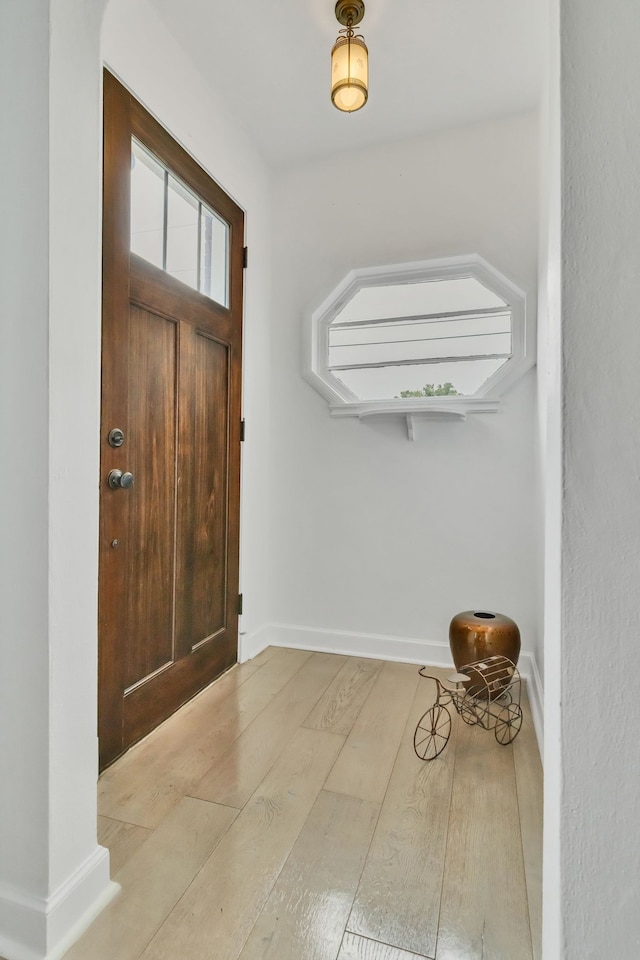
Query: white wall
(373, 533)
(600, 105)
(75, 267)
(24, 861)
(51, 868)
(138, 48)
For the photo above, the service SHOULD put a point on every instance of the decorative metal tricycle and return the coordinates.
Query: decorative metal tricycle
(485, 692)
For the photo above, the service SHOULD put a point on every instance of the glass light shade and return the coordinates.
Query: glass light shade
(349, 74)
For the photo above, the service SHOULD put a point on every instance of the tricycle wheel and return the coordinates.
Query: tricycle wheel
(432, 733)
(468, 711)
(508, 723)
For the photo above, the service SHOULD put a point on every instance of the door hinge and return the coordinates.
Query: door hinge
(245, 256)
(239, 604)
(242, 430)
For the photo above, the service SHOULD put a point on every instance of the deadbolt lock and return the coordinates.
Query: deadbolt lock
(119, 480)
(116, 437)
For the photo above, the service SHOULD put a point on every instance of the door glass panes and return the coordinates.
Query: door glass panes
(182, 233)
(147, 206)
(175, 230)
(214, 256)
(431, 338)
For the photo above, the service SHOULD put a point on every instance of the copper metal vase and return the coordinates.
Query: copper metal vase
(477, 634)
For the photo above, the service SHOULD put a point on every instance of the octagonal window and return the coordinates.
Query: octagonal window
(418, 336)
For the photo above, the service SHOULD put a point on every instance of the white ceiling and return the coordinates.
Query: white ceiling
(433, 64)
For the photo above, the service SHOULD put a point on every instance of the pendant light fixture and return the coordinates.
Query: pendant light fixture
(349, 60)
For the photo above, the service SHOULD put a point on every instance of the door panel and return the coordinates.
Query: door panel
(171, 381)
(202, 542)
(151, 459)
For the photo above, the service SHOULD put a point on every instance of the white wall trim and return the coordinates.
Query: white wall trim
(44, 928)
(433, 653)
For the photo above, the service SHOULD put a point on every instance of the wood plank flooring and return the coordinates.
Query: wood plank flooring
(283, 815)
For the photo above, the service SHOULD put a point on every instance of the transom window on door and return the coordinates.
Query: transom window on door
(174, 230)
(437, 338)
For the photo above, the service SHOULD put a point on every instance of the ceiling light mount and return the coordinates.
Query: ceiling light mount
(349, 60)
(349, 10)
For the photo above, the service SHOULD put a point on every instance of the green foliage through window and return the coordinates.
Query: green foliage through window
(430, 390)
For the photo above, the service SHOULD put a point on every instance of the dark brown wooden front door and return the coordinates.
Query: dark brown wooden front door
(171, 383)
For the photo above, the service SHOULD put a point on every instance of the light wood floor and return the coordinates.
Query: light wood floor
(283, 815)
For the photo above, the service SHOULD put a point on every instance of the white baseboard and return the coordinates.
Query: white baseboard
(251, 644)
(375, 646)
(38, 928)
(536, 700)
(433, 653)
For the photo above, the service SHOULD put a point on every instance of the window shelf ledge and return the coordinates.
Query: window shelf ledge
(453, 408)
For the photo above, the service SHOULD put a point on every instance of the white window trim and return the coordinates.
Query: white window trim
(343, 403)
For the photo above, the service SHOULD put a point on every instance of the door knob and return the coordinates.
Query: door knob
(118, 479)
